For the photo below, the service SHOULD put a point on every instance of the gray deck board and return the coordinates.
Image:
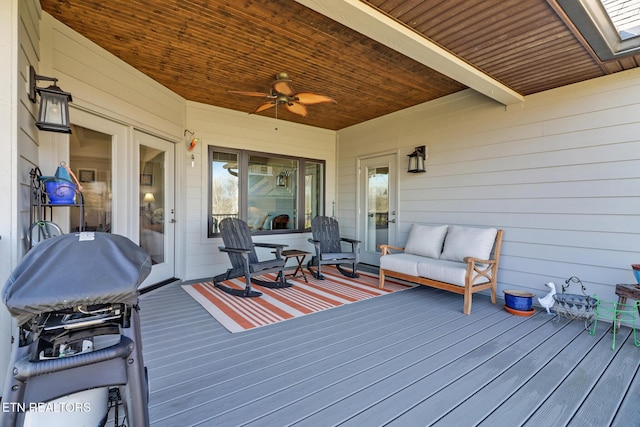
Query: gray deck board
(511, 395)
(518, 353)
(408, 358)
(354, 374)
(612, 383)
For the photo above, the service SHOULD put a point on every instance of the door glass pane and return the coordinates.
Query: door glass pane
(377, 207)
(152, 199)
(272, 193)
(224, 188)
(90, 160)
(313, 191)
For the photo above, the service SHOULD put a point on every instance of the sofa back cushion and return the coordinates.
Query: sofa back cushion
(426, 240)
(462, 242)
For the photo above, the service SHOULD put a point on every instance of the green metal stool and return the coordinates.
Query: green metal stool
(617, 313)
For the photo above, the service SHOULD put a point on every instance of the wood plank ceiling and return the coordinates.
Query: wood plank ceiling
(200, 49)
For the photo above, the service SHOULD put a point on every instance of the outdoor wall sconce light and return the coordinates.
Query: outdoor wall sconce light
(416, 160)
(281, 179)
(53, 115)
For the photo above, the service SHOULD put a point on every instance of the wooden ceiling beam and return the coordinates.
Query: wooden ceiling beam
(380, 27)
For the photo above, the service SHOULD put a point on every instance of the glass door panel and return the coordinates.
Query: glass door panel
(152, 197)
(90, 158)
(377, 206)
(155, 197)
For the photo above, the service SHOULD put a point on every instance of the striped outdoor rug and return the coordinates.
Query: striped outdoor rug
(275, 305)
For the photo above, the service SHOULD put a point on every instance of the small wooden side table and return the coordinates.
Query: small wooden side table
(625, 291)
(299, 256)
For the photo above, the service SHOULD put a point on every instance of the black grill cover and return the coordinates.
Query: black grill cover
(74, 269)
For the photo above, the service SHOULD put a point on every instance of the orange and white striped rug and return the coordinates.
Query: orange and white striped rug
(275, 305)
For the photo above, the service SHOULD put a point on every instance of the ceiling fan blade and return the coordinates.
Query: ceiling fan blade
(265, 106)
(283, 87)
(239, 92)
(309, 98)
(296, 108)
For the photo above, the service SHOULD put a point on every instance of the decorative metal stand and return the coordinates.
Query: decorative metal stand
(575, 306)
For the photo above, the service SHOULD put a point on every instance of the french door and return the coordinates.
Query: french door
(127, 180)
(377, 206)
(155, 207)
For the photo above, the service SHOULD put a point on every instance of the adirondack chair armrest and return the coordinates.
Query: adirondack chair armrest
(316, 245)
(348, 240)
(354, 243)
(277, 246)
(234, 250)
(270, 245)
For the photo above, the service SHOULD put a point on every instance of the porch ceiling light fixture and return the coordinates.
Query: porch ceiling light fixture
(417, 159)
(53, 115)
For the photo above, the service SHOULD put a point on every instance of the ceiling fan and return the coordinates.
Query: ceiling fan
(282, 93)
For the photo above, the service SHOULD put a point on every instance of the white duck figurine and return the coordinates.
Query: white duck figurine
(547, 301)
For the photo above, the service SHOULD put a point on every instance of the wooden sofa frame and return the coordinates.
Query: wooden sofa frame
(476, 269)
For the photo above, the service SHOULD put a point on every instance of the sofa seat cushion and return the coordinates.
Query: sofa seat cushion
(402, 263)
(444, 271)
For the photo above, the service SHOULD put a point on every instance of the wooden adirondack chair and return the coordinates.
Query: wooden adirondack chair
(328, 248)
(244, 260)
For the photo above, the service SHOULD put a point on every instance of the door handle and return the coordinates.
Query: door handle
(392, 221)
(172, 220)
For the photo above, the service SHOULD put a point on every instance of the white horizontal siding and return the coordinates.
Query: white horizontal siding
(20, 34)
(560, 174)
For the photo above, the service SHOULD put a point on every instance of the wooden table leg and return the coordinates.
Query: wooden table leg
(300, 268)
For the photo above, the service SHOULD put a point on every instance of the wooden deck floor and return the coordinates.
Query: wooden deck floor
(406, 359)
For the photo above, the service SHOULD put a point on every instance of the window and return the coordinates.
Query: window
(611, 27)
(272, 193)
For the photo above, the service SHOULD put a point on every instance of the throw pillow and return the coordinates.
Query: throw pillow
(425, 240)
(462, 242)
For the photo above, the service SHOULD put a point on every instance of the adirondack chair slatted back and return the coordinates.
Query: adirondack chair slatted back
(235, 234)
(327, 232)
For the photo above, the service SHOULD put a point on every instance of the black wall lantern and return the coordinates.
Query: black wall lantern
(53, 115)
(416, 160)
(281, 179)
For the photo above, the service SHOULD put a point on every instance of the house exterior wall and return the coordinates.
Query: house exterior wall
(103, 85)
(560, 174)
(19, 48)
(231, 129)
